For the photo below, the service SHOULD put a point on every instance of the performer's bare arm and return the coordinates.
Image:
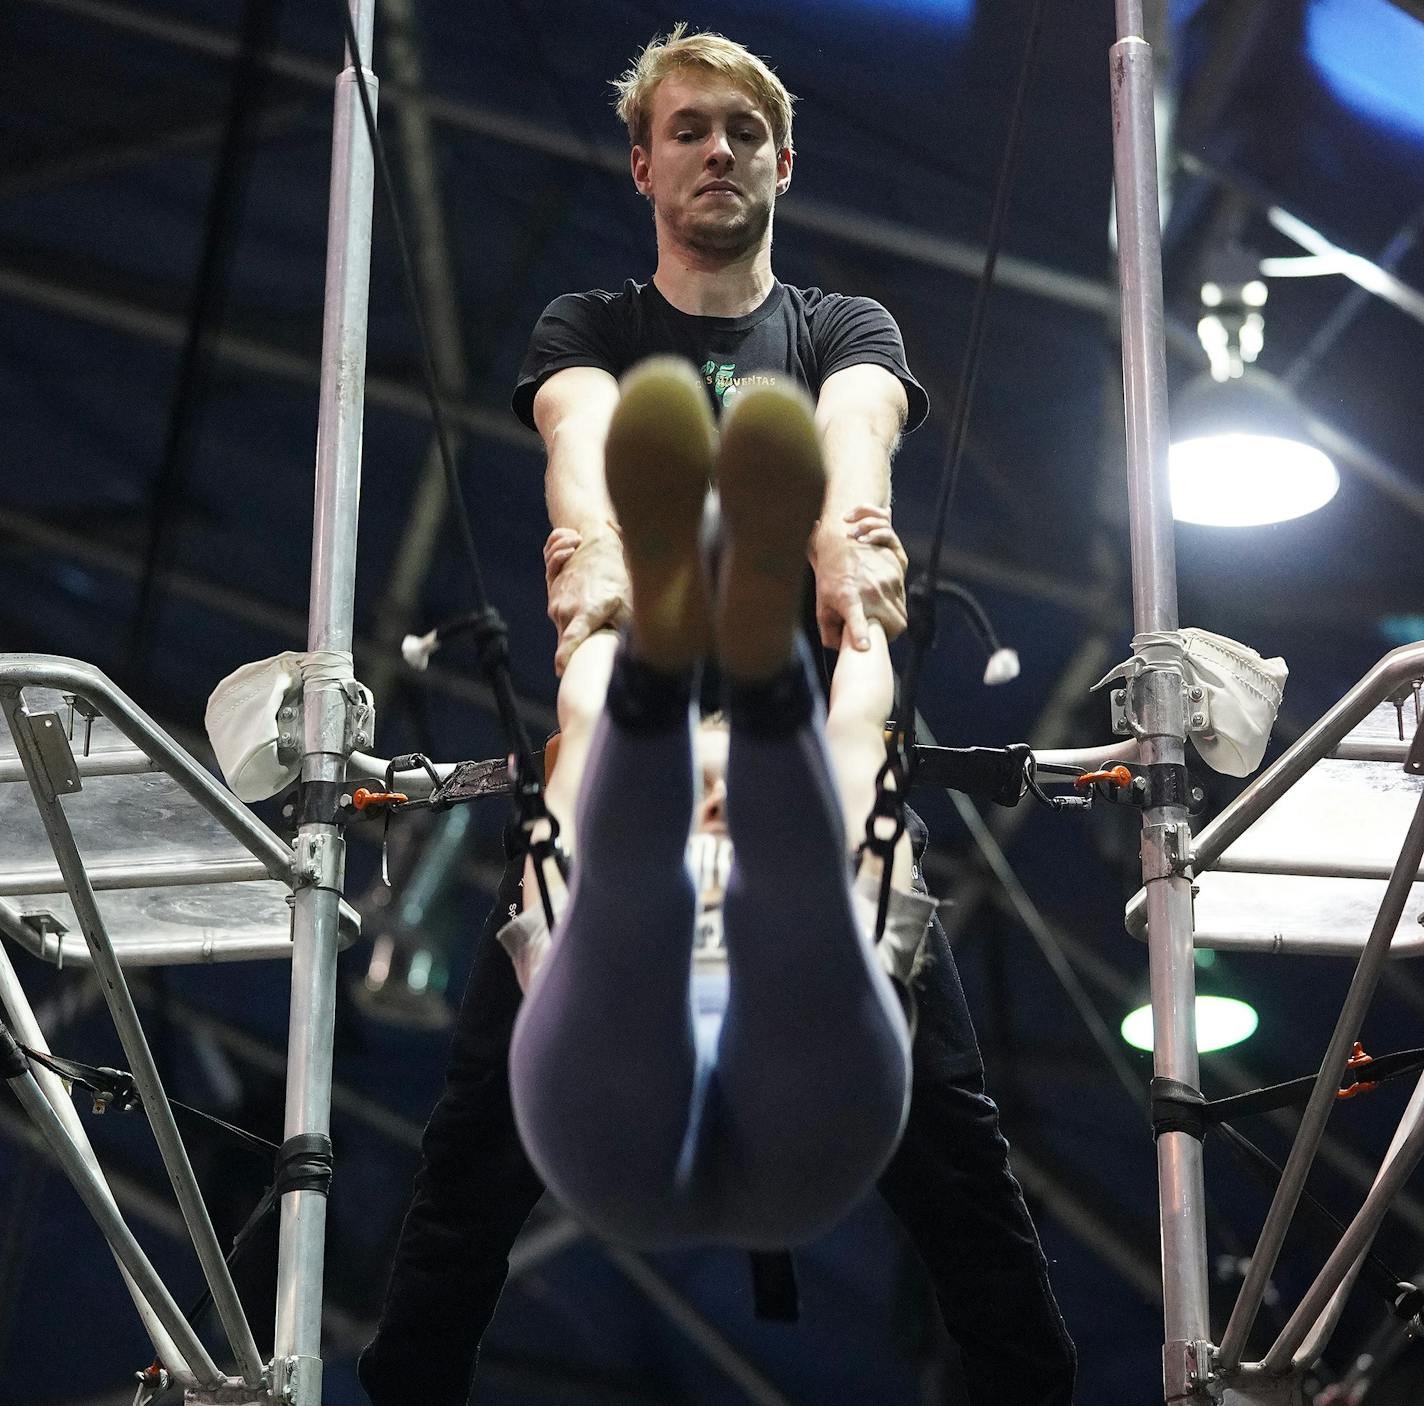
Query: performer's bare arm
(860, 413)
(588, 590)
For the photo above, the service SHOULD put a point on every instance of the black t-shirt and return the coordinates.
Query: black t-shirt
(799, 332)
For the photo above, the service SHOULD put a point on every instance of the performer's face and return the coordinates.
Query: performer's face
(710, 755)
(711, 167)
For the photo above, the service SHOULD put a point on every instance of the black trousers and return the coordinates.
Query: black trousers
(949, 1184)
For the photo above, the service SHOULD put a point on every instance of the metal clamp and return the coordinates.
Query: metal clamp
(1187, 1367)
(1166, 850)
(1156, 702)
(319, 862)
(300, 1381)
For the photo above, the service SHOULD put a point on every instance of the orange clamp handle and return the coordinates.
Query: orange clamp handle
(1358, 1060)
(363, 799)
(1118, 776)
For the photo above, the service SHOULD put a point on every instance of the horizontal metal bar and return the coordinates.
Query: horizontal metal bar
(1304, 868)
(125, 761)
(113, 877)
(1373, 751)
(152, 952)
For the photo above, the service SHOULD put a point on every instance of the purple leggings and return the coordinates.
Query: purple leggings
(768, 1137)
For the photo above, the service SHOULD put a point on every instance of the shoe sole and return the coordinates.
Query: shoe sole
(658, 461)
(772, 483)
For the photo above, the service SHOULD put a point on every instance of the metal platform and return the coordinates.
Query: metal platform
(1298, 863)
(182, 871)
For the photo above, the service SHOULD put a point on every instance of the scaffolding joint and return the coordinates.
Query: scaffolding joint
(1188, 1369)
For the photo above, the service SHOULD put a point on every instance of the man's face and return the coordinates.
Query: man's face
(711, 167)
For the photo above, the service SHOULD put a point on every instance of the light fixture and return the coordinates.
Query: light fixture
(1222, 1020)
(1241, 454)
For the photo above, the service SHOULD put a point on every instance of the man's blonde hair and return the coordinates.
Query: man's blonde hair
(679, 51)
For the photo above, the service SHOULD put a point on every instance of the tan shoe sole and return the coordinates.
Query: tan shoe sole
(659, 456)
(772, 482)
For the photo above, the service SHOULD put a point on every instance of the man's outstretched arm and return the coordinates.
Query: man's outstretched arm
(588, 583)
(860, 413)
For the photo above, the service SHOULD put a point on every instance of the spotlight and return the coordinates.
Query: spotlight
(1222, 1020)
(1241, 455)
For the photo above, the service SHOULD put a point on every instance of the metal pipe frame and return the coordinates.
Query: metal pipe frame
(140, 1057)
(110, 877)
(1156, 693)
(123, 762)
(100, 1203)
(23, 1022)
(1322, 1101)
(1319, 741)
(1353, 1244)
(328, 740)
(1314, 1344)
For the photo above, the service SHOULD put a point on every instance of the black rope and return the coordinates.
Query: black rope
(896, 775)
(491, 633)
(116, 1088)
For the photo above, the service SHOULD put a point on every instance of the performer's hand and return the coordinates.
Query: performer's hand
(860, 576)
(588, 587)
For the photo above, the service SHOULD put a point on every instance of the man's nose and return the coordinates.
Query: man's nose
(719, 152)
(715, 800)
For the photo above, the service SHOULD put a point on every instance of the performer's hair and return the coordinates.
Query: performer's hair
(678, 50)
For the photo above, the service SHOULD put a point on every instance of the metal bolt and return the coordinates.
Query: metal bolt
(1198, 795)
(1139, 784)
(345, 798)
(1198, 719)
(1196, 695)
(1119, 696)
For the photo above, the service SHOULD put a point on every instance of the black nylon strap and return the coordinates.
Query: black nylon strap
(1296, 1092)
(1177, 1108)
(775, 1296)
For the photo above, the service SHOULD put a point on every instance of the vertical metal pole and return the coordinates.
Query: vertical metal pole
(320, 848)
(1155, 695)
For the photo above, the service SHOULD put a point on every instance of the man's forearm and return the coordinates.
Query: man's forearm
(574, 489)
(857, 452)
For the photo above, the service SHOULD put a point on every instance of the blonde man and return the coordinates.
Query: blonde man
(710, 127)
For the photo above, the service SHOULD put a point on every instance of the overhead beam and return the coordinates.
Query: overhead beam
(265, 615)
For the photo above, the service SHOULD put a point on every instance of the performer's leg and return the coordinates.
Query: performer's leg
(603, 1064)
(950, 1185)
(813, 1062)
(813, 1059)
(473, 1191)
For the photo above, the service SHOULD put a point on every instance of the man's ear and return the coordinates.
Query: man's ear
(784, 161)
(642, 173)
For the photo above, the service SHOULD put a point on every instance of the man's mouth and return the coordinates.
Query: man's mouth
(719, 188)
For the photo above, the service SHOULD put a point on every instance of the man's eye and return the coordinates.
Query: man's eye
(684, 137)
(750, 136)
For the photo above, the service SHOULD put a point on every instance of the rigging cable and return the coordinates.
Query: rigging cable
(485, 622)
(893, 780)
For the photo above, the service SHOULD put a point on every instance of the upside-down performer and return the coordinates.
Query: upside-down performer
(719, 1149)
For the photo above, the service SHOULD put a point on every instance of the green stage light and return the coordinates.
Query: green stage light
(1221, 1021)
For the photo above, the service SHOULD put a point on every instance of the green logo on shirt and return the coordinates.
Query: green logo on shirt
(725, 383)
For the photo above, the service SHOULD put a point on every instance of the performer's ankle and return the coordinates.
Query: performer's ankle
(776, 706)
(647, 700)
